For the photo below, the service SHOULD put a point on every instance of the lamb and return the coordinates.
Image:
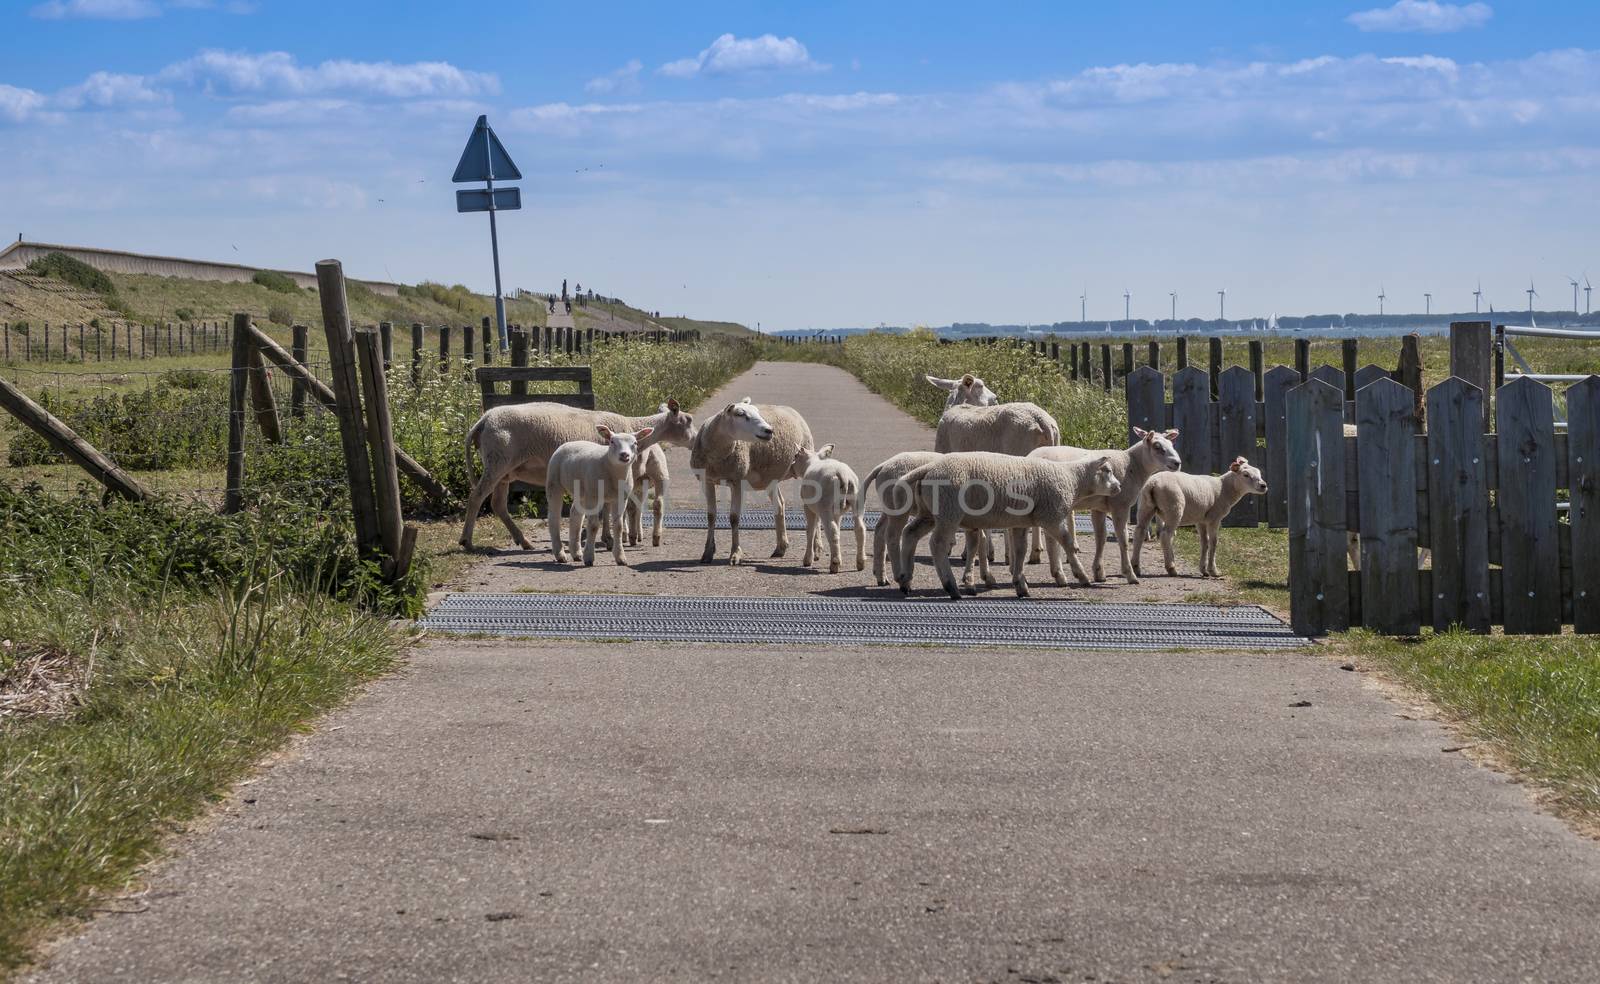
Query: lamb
(515, 443)
(599, 477)
(829, 489)
(650, 467)
(747, 444)
(1006, 428)
(969, 389)
(1151, 453)
(1174, 499)
(979, 490)
(887, 477)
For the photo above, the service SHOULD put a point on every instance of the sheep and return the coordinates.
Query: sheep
(515, 442)
(1151, 453)
(747, 444)
(895, 511)
(978, 490)
(829, 490)
(969, 389)
(1006, 428)
(1174, 499)
(649, 467)
(599, 477)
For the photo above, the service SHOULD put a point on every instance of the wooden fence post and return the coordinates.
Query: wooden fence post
(1257, 365)
(1073, 352)
(1526, 499)
(444, 350)
(1583, 481)
(380, 439)
(1105, 365)
(1319, 588)
(1127, 359)
(1409, 375)
(1183, 352)
(347, 391)
(1458, 506)
(1236, 433)
(1155, 355)
(1191, 415)
(261, 399)
(300, 339)
(233, 496)
(62, 438)
(1348, 350)
(386, 338)
(1302, 358)
(1386, 461)
(1471, 358)
(416, 353)
(467, 346)
(1275, 406)
(519, 357)
(1145, 390)
(1215, 358)
(488, 341)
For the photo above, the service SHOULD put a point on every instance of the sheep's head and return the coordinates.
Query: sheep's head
(1158, 445)
(745, 422)
(969, 389)
(1103, 478)
(677, 427)
(1254, 483)
(804, 458)
(622, 446)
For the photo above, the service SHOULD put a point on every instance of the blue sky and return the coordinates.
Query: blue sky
(833, 164)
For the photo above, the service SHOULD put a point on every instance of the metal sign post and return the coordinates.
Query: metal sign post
(485, 159)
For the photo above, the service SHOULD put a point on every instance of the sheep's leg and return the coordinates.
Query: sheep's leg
(944, 539)
(911, 534)
(574, 525)
(1017, 553)
(1035, 545)
(1053, 550)
(497, 502)
(780, 521)
(1119, 522)
(887, 526)
(634, 515)
(1065, 538)
(594, 523)
(1167, 553)
(553, 520)
(615, 514)
(1098, 521)
(657, 504)
(1212, 533)
(809, 556)
(709, 487)
(1138, 551)
(835, 555)
(735, 504)
(861, 538)
(486, 484)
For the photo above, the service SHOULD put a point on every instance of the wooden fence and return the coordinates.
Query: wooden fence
(1485, 504)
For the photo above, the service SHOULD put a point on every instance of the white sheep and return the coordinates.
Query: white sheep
(747, 444)
(894, 497)
(829, 490)
(980, 490)
(1151, 454)
(1005, 428)
(515, 442)
(968, 389)
(649, 468)
(599, 478)
(1174, 500)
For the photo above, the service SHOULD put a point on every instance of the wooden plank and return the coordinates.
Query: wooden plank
(1583, 483)
(1370, 374)
(1386, 444)
(1236, 434)
(1471, 356)
(386, 337)
(65, 440)
(582, 400)
(262, 401)
(1330, 375)
(1319, 588)
(1524, 420)
(1146, 395)
(1191, 415)
(347, 395)
(539, 374)
(1274, 466)
(380, 439)
(238, 382)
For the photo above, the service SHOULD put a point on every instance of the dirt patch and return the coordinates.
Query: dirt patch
(38, 681)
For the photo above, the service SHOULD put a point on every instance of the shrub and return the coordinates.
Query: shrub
(183, 314)
(274, 281)
(280, 314)
(180, 421)
(76, 272)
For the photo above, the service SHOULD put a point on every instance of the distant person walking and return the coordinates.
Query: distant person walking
(563, 288)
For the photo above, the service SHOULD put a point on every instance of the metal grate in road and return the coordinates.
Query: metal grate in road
(970, 622)
(794, 519)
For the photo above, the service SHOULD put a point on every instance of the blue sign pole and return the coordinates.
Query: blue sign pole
(494, 246)
(484, 159)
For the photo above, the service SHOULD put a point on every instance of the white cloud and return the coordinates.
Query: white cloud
(624, 79)
(729, 55)
(1422, 17)
(96, 9)
(17, 105)
(278, 72)
(105, 90)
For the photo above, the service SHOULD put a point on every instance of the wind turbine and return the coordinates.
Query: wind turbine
(1083, 307)
(1427, 303)
(1127, 299)
(1574, 284)
(1531, 295)
(1222, 304)
(1586, 290)
(1477, 296)
(1174, 295)
(1381, 298)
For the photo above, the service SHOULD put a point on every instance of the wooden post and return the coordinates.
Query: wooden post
(519, 357)
(1386, 457)
(114, 341)
(1257, 365)
(233, 497)
(467, 360)
(1583, 481)
(1530, 576)
(416, 353)
(444, 350)
(1155, 355)
(1458, 506)
(1302, 358)
(1274, 466)
(61, 437)
(1127, 359)
(347, 393)
(1191, 415)
(1319, 588)
(386, 337)
(262, 401)
(1105, 365)
(1348, 349)
(1216, 364)
(301, 340)
(320, 392)
(380, 439)
(1145, 392)
(1183, 352)
(488, 342)
(1055, 351)
(1409, 375)
(1073, 349)
(1470, 357)
(1236, 434)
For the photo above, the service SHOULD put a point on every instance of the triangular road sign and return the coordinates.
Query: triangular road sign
(485, 158)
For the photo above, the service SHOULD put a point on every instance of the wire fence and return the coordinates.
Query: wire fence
(116, 341)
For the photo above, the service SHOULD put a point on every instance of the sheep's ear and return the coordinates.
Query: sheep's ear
(605, 433)
(729, 408)
(944, 384)
(640, 435)
(1172, 435)
(1141, 434)
(826, 451)
(967, 380)
(671, 405)
(745, 400)
(1238, 463)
